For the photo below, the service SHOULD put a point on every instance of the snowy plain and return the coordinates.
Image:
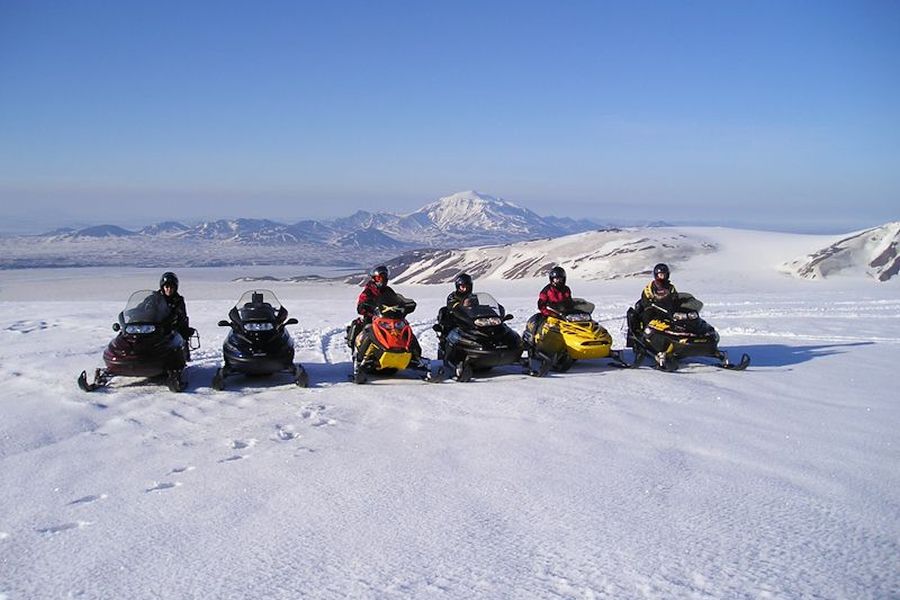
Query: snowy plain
(778, 482)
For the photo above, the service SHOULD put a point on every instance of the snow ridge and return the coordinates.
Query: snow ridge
(873, 251)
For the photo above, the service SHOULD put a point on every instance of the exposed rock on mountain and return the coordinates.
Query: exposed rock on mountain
(604, 254)
(873, 252)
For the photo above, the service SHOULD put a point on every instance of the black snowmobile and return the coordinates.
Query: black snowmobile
(146, 345)
(673, 331)
(474, 336)
(258, 343)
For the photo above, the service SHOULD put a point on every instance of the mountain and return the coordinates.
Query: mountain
(370, 238)
(460, 220)
(473, 216)
(96, 231)
(872, 252)
(164, 228)
(603, 254)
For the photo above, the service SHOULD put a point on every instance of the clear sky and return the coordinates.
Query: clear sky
(778, 114)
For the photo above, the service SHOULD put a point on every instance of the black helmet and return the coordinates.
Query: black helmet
(661, 272)
(380, 276)
(169, 278)
(558, 276)
(463, 280)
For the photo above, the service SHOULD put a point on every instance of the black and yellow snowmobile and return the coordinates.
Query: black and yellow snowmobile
(669, 333)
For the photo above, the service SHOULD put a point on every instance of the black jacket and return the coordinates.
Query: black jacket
(179, 319)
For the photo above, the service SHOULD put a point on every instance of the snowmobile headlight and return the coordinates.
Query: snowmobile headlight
(133, 329)
(488, 321)
(578, 317)
(261, 326)
(685, 316)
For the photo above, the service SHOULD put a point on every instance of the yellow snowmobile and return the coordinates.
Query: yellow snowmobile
(568, 335)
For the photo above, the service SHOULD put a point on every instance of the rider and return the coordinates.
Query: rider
(462, 289)
(376, 288)
(376, 292)
(168, 288)
(556, 297)
(659, 292)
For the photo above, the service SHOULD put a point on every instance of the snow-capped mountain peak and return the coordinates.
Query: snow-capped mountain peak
(471, 210)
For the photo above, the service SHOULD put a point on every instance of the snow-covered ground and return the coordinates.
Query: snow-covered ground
(778, 482)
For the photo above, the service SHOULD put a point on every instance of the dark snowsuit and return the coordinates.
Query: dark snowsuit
(178, 319)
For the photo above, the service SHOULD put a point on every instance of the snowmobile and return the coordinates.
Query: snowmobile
(671, 333)
(568, 335)
(474, 336)
(258, 343)
(146, 345)
(384, 346)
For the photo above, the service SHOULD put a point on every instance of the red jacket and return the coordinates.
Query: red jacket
(368, 299)
(555, 297)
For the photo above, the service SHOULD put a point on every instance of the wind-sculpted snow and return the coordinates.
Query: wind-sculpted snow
(776, 482)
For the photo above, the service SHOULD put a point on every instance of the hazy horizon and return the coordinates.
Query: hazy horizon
(40, 224)
(771, 115)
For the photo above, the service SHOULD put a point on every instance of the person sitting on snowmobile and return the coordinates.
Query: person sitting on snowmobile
(168, 289)
(554, 299)
(376, 292)
(462, 293)
(660, 292)
(462, 287)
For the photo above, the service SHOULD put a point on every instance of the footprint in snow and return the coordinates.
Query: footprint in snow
(54, 529)
(164, 485)
(179, 470)
(88, 499)
(232, 458)
(313, 414)
(28, 326)
(241, 444)
(285, 433)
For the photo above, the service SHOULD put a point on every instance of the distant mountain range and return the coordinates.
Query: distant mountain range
(465, 218)
(462, 219)
(468, 231)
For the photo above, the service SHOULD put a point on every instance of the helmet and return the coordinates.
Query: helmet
(169, 278)
(463, 280)
(380, 276)
(558, 276)
(661, 272)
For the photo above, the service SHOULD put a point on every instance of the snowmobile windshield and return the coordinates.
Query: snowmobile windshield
(258, 305)
(688, 302)
(146, 306)
(396, 306)
(580, 305)
(481, 305)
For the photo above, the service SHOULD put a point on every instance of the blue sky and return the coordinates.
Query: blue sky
(772, 114)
